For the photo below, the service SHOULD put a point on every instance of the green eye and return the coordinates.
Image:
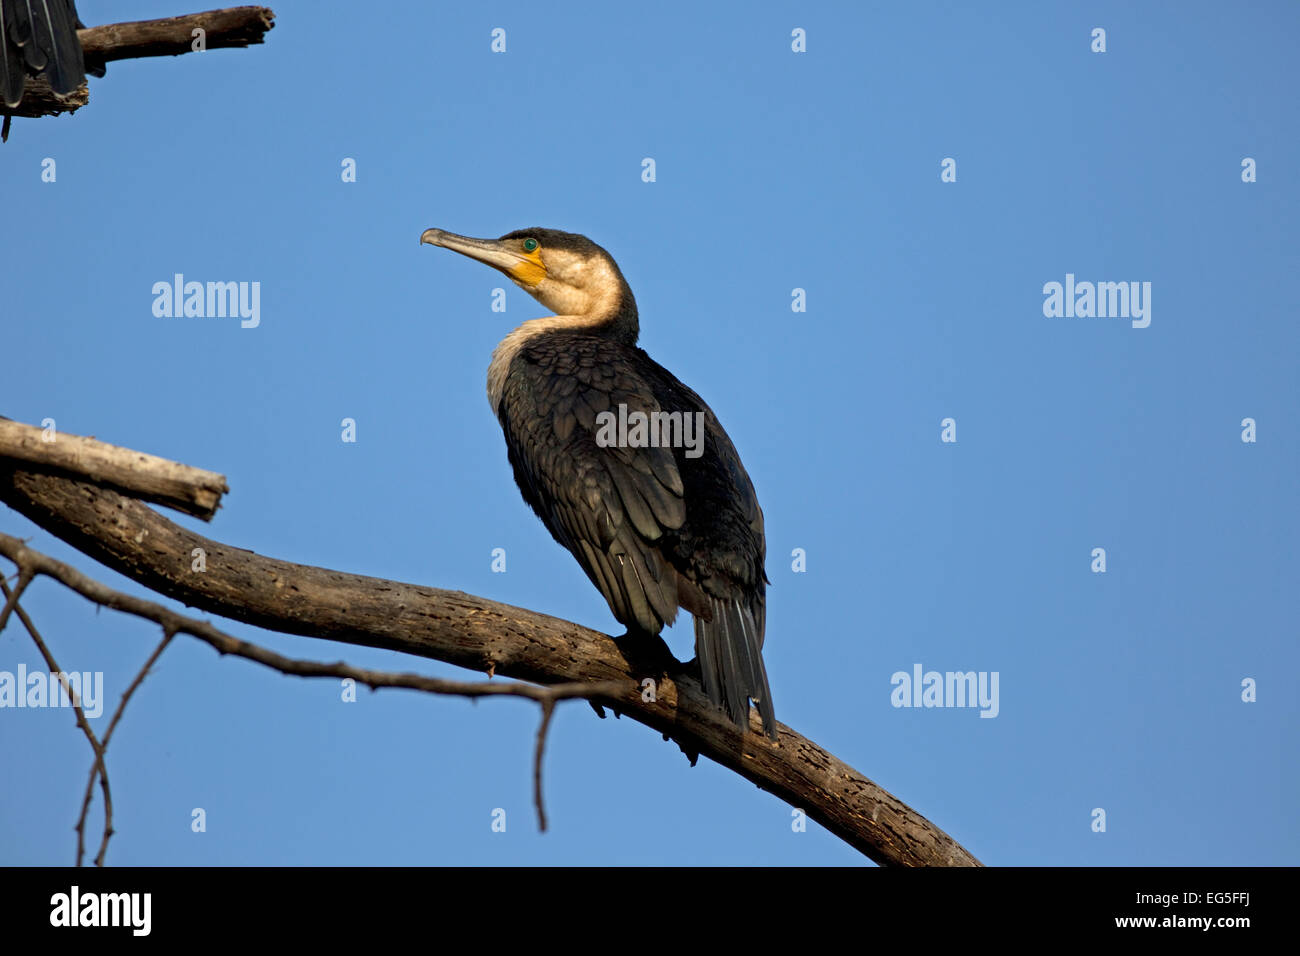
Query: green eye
(530, 245)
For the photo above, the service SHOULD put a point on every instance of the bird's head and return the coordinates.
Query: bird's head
(566, 272)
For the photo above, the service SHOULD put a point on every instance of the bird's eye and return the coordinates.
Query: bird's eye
(530, 245)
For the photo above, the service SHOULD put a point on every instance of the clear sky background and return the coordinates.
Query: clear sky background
(775, 170)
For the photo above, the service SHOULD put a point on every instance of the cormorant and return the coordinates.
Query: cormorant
(39, 36)
(627, 467)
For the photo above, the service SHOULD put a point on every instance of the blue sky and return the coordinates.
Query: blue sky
(775, 170)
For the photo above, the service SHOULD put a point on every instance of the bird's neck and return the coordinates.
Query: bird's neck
(587, 294)
(619, 325)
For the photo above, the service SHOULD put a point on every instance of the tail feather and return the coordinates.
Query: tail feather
(58, 30)
(729, 648)
(39, 36)
(13, 73)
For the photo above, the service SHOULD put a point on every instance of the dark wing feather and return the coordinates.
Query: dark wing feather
(607, 506)
(653, 528)
(13, 74)
(39, 37)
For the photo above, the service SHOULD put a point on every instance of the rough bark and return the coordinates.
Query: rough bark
(147, 477)
(478, 634)
(172, 36)
(169, 36)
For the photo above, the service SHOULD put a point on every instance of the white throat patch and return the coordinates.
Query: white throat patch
(584, 291)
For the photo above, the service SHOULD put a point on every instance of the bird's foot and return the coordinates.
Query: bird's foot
(647, 652)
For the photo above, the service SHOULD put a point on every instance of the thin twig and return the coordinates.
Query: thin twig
(112, 725)
(168, 634)
(11, 597)
(32, 563)
(548, 708)
(98, 767)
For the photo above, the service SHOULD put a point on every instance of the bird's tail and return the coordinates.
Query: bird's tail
(39, 36)
(730, 649)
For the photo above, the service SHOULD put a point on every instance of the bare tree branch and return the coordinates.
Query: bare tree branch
(147, 477)
(11, 597)
(478, 634)
(228, 28)
(108, 735)
(32, 563)
(98, 769)
(548, 708)
(169, 36)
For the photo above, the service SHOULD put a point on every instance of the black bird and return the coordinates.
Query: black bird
(39, 36)
(627, 467)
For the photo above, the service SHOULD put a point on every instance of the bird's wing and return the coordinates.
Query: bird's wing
(653, 527)
(39, 36)
(616, 508)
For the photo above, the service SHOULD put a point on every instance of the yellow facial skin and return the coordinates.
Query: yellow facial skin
(530, 271)
(567, 282)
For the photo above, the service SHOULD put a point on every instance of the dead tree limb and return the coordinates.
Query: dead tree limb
(171, 36)
(31, 563)
(227, 28)
(147, 477)
(40, 100)
(478, 634)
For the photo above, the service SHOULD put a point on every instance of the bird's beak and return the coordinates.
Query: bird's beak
(525, 269)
